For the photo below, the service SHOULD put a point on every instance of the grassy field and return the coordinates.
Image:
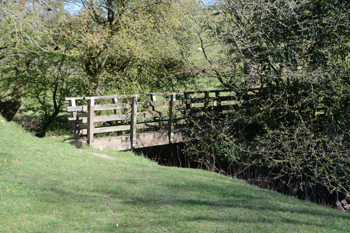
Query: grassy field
(46, 186)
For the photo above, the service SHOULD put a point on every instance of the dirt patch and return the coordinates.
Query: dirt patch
(102, 156)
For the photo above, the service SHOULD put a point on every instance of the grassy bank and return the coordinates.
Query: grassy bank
(46, 186)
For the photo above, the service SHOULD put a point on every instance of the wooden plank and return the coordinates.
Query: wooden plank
(145, 139)
(127, 116)
(148, 114)
(159, 124)
(188, 109)
(171, 117)
(153, 99)
(187, 96)
(133, 121)
(112, 128)
(74, 120)
(143, 95)
(115, 101)
(91, 125)
(119, 117)
(139, 95)
(218, 100)
(206, 105)
(120, 142)
(76, 98)
(73, 104)
(149, 104)
(115, 106)
(77, 108)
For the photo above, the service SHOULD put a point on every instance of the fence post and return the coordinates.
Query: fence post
(218, 101)
(206, 104)
(217, 95)
(187, 96)
(153, 99)
(188, 107)
(75, 123)
(133, 121)
(91, 126)
(115, 101)
(171, 117)
(73, 104)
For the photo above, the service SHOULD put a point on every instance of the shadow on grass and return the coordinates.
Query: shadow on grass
(181, 197)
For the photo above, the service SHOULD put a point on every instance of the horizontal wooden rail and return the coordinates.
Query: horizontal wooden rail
(147, 104)
(158, 124)
(157, 94)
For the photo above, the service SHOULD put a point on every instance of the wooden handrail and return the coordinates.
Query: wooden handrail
(150, 95)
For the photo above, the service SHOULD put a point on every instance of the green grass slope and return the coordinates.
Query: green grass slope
(47, 186)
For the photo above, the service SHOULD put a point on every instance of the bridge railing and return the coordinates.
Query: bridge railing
(133, 121)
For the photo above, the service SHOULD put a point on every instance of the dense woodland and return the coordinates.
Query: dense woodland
(296, 132)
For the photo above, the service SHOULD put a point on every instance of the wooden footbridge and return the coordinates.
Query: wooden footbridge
(124, 122)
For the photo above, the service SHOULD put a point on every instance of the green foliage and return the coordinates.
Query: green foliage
(125, 45)
(295, 128)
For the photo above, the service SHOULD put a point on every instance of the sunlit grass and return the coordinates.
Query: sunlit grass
(47, 186)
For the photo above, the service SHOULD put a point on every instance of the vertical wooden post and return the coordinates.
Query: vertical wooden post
(218, 101)
(171, 117)
(187, 96)
(133, 121)
(73, 104)
(206, 104)
(153, 98)
(75, 124)
(217, 95)
(91, 125)
(115, 101)
(188, 110)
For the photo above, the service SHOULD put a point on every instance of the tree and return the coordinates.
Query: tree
(32, 64)
(118, 42)
(297, 54)
(21, 27)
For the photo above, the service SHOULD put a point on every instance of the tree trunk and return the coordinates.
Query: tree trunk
(8, 109)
